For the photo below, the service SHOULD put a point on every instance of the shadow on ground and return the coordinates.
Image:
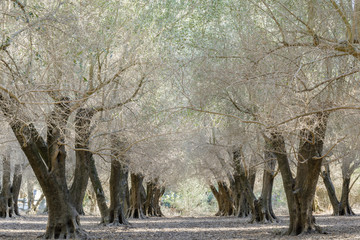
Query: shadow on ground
(30, 227)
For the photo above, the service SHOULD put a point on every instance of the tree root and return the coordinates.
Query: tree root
(136, 213)
(65, 231)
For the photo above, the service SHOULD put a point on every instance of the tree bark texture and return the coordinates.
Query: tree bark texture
(226, 200)
(98, 189)
(81, 175)
(17, 179)
(342, 207)
(152, 202)
(241, 203)
(300, 191)
(217, 197)
(330, 190)
(118, 182)
(223, 198)
(159, 192)
(261, 209)
(244, 207)
(6, 197)
(135, 210)
(345, 208)
(47, 160)
(268, 182)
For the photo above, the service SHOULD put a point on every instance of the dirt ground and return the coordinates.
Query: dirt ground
(31, 226)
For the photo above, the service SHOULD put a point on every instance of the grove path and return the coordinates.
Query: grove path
(187, 228)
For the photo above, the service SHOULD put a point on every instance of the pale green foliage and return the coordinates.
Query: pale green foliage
(192, 197)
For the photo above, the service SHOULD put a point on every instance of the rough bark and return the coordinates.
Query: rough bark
(153, 195)
(148, 205)
(81, 175)
(240, 200)
(135, 210)
(98, 189)
(254, 204)
(261, 209)
(344, 206)
(268, 182)
(226, 201)
(159, 192)
(6, 198)
(240, 203)
(330, 190)
(348, 167)
(10, 191)
(118, 181)
(244, 209)
(340, 207)
(63, 221)
(47, 160)
(16, 187)
(300, 191)
(217, 197)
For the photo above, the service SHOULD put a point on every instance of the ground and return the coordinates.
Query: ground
(29, 227)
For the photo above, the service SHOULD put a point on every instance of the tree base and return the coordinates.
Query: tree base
(65, 228)
(306, 231)
(153, 212)
(78, 234)
(262, 214)
(136, 213)
(315, 229)
(118, 224)
(344, 212)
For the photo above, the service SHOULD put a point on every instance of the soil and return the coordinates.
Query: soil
(31, 226)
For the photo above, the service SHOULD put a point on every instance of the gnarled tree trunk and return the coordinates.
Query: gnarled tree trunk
(342, 207)
(118, 182)
(300, 191)
(268, 182)
(330, 190)
(223, 198)
(218, 200)
(81, 175)
(159, 192)
(241, 203)
(227, 204)
(48, 163)
(148, 205)
(152, 202)
(63, 221)
(6, 198)
(244, 207)
(261, 209)
(135, 210)
(98, 189)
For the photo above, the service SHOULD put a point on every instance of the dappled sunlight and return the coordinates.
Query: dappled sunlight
(136, 110)
(185, 228)
(209, 229)
(21, 231)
